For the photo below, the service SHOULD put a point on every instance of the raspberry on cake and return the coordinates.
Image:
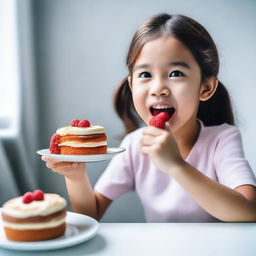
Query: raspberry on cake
(35, 216)
(79, 138)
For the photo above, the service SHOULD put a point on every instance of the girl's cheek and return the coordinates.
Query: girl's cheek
(187, 101)
(139, 103)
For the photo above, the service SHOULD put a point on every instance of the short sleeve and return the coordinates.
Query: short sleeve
(231, 167)
(118, 178)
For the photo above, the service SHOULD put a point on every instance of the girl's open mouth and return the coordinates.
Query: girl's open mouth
(155, 110)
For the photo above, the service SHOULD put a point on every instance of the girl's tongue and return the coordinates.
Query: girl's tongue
(156, 112)
(169, 111)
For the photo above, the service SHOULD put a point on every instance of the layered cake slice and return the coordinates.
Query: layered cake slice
(35, 216)
(79, 138)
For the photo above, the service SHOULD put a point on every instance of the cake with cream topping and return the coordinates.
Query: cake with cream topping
(35, 216)
(79, 138)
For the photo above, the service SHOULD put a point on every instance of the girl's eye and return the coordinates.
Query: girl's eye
(176, 73)
(144, 75)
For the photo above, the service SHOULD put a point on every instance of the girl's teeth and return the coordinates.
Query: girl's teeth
(161, 106)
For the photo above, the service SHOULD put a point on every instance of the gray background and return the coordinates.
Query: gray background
(80, 48)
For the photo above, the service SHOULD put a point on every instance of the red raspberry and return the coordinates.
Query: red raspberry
(75, 122)
(84, 123)
(38, 195)
(55, 140)
(159, 120)
(27, 198)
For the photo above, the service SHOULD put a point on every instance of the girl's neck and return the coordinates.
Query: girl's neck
(187, 136)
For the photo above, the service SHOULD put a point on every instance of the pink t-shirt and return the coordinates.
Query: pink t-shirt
(218, 153)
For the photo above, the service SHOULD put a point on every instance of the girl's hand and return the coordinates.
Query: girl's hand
(72, 170)
(161, 147)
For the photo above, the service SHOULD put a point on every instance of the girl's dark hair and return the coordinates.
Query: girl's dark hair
(217, 110)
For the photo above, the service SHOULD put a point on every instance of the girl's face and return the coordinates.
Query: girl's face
(166, 77)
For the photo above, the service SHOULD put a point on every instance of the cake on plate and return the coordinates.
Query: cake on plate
(79, 138)
(35, 216)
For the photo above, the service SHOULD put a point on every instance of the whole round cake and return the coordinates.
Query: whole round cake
(79, 138)
(35, 216)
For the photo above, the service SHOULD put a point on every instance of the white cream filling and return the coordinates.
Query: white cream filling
(83, 145)
(21, 226)
(51, 203)
(70, 130)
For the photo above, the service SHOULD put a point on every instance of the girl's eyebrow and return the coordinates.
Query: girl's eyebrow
(141, 66)
(173, 64)
(179, 63)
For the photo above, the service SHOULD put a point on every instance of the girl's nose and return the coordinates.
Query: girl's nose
(160, 89)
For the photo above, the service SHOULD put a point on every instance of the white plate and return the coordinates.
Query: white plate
(80, 228)
(82, 158)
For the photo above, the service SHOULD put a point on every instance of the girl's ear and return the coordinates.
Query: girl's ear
(129, 81)
(208, 88)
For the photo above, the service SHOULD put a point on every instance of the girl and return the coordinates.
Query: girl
(194, 170)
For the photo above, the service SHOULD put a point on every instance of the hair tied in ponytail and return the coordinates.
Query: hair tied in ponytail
(124, 106)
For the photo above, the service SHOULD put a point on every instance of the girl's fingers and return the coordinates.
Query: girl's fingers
(68, 167)
(62, 164)
(147, 150)
(60, 168)
(45, 158)
(54, 164)
(151, 130)
(50, 160)
(167, 127)
(147, 140)
(144, 150)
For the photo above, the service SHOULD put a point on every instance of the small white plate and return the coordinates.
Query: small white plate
(82, 158)
(80, 228)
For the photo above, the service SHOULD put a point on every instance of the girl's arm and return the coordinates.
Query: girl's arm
(83, 198)
(218, 200)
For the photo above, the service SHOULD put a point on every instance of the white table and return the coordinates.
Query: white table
(206, 239)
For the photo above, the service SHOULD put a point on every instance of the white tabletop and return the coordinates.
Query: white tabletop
(229, 239)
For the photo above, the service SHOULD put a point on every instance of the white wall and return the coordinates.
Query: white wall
(80, 53)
